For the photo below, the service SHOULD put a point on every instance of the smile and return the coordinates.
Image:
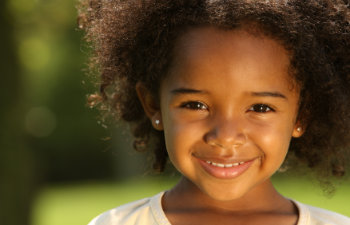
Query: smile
(228, 170)
(224, 165)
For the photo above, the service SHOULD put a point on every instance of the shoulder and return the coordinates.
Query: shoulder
(144, 211)
(310, 215)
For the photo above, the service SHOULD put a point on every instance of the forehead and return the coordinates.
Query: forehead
(210, 50)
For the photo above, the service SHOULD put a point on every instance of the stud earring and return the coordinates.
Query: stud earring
(157, 122)
(299, 129)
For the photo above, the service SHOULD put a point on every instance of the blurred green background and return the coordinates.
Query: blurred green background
(58, 165)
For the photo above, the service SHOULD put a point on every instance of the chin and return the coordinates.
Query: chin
(225, 195)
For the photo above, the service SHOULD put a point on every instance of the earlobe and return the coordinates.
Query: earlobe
(150, 105)
(157, 121)
(298, 130)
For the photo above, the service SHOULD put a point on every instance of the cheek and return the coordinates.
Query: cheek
(181, 138)
(175, 133)
(273, 139)
(278, 138)
(178, 148)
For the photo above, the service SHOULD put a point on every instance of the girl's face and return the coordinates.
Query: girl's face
(228, 109)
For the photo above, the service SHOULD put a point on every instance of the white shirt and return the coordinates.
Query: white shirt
(149, 211)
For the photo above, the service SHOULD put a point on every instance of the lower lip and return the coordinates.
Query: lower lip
(228, 172)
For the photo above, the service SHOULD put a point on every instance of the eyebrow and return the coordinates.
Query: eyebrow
(269, 94)
(258, 94)
(187, 91)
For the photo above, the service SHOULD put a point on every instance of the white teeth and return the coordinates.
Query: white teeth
(224, 165)
(220, 165)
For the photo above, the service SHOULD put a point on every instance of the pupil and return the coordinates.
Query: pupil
(261, 108)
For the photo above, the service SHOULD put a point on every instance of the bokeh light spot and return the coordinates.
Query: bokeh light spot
(40, 122)
(21, 6)
(34, 54)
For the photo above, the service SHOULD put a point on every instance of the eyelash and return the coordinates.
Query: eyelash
(196, 105)
(261, 108)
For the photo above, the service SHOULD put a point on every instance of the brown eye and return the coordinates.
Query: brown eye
(261, 108)
(194, 105)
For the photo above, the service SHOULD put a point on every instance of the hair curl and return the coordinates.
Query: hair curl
(133, 42)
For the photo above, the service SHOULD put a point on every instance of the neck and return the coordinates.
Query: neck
(263, 198)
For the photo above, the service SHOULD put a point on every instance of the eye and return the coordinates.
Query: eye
(261, 108)
(194, 105)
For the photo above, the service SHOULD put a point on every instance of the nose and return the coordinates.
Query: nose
(226, 134)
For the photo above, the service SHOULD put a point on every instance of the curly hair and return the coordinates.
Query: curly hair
(133, 41)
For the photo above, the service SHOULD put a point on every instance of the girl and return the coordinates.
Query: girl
(225, 89)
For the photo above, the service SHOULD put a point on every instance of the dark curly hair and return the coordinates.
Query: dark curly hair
(133, 41)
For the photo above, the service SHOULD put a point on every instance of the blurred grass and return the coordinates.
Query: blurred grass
(73, 204)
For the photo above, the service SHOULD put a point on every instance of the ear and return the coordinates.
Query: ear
(298, 130)
(150, 106)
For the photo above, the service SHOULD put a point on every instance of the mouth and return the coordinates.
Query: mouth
(221, 165)
(225, 170)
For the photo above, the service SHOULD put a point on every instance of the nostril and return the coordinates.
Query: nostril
(225, 142)
(226, 146)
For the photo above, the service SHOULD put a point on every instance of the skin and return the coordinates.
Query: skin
(228, 98)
